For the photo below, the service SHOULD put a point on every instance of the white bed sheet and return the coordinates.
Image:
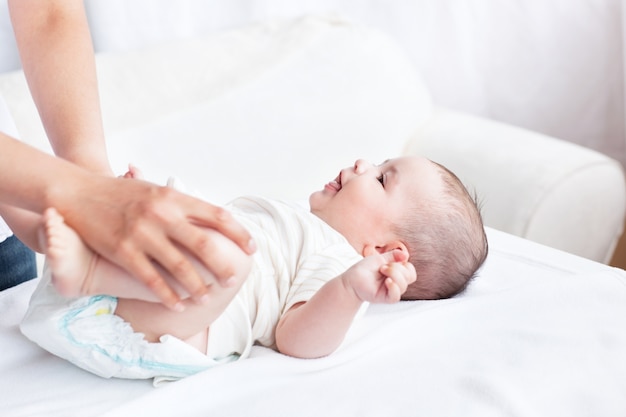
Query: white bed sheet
(538, 333)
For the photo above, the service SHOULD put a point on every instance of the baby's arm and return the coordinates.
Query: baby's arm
(317, 327)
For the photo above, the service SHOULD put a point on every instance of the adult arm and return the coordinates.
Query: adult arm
(317, 327)
(130, 222)
(57, 57)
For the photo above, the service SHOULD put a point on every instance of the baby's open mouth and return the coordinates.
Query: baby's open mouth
(336, 183)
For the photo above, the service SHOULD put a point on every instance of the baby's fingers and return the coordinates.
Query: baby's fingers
(411, 274)
(398, 279)
(394, 292)
(403, 273)
(395, 255)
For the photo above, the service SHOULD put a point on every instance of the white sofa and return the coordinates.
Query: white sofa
(276, 109)
(352, 93)
(554, 67)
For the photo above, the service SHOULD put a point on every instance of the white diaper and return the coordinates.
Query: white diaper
(85, 332)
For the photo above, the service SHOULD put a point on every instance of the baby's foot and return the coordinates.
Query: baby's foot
(69, 259)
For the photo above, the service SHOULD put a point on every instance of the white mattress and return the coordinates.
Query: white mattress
(538, 333)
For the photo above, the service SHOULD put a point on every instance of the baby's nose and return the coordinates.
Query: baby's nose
(360, 166)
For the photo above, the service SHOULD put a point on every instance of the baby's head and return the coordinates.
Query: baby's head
(445, 238)
(415, 205)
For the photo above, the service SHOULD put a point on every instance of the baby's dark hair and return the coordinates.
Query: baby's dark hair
(446, 241)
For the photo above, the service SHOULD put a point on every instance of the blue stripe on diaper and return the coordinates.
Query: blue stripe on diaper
(68, 318)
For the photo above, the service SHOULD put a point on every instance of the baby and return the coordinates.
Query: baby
(406, 228)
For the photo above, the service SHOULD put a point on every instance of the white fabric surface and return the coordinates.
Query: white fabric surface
(538, 333)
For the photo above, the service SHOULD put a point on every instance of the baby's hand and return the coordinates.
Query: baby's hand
(381, 278)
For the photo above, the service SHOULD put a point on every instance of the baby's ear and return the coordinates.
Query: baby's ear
(396, 244)
(369, 250)
(388, 247)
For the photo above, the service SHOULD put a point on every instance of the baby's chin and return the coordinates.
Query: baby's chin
(316, 201)
(313, 197)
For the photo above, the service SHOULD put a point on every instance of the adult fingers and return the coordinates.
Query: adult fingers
(220, 219)
(206, 249)
(176, 261)
(143, 269)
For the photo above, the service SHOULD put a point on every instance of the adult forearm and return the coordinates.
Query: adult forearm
(33, 180)
(58, 60)
(317, 328)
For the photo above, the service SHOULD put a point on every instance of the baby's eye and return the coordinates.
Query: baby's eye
(381, 179)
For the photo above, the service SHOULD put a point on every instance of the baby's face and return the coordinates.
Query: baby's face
(365, 200)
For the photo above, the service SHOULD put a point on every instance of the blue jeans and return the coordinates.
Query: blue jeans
(17, 263)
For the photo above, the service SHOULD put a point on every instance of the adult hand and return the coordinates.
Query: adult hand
(135, 223)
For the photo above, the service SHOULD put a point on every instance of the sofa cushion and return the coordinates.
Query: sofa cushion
(275, 108)
(531, 185)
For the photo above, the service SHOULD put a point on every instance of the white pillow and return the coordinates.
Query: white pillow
(274, 109)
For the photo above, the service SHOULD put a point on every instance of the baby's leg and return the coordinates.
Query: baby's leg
(77, 270)
(192, 324)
